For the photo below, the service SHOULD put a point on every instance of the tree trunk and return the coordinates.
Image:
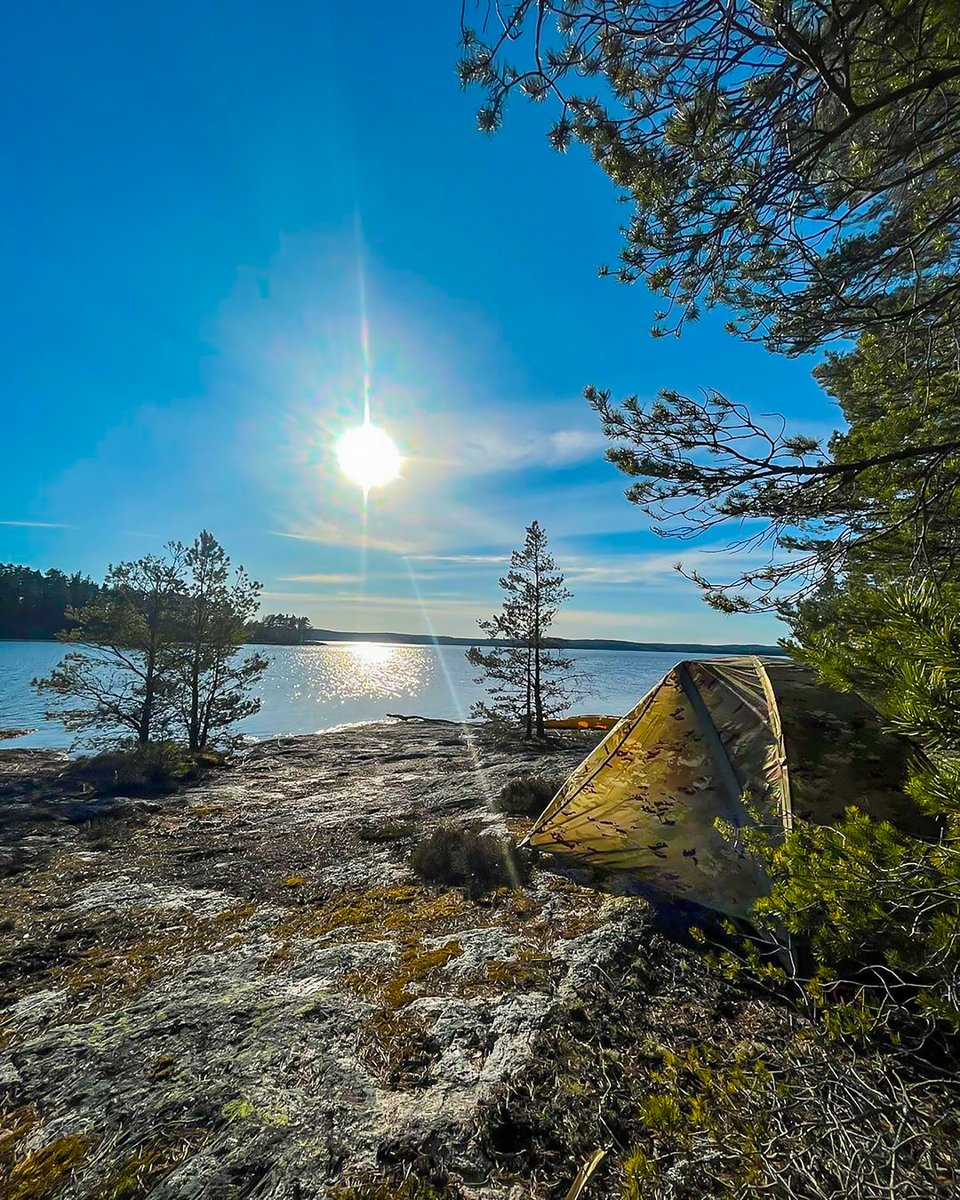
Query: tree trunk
(199, 631)
(150, 674)
(528, 724)
(537, 697)
(146, 712)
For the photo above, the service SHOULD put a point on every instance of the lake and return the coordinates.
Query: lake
(306, 689)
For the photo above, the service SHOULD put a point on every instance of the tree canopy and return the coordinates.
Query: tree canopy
(158, 651)
(881, 496)
(795, 160)
(799, 164)
(33, 604)
(280, 629)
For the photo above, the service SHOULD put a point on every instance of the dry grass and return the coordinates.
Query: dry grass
(528, 795)
(466, 856)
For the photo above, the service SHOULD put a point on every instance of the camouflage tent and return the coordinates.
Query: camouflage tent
(734, 738)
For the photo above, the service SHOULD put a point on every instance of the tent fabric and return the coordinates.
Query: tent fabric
(742, 739)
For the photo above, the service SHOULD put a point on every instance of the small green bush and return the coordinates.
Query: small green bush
(150, 769)
(528, 795)
(465, 856)
(388, 830)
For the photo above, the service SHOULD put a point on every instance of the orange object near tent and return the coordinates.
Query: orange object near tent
(591, 721)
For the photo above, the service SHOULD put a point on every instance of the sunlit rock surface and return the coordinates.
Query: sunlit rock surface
(243, 987)
(241, 992)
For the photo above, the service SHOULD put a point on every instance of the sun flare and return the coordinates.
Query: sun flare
(368, 456)
(372, 654)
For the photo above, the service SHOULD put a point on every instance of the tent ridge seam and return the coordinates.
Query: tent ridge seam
(776, 728)
(714, 741)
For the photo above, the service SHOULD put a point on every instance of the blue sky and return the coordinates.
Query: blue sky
(196, 197)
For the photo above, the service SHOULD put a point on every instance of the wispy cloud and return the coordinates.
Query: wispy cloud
(653, 570)
(460, 558)
(328, 534)
(342, 609)
(490, 449)
(321, 578)
(39, 524)
(446, 601)
(575, 445)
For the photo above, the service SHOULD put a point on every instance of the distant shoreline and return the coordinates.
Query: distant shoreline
(422, 639)
(324, 636)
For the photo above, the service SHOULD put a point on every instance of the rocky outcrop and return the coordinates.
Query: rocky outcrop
(243, 991)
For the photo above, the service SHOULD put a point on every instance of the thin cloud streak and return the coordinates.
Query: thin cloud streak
(328, 535)
(470, 559)
(653, 570)
(39, 525)
(321, 578)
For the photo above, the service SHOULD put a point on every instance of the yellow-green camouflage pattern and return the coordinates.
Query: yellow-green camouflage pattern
(741, 739)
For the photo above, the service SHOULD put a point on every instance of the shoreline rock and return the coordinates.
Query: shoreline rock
(243, 978)
(240, 992)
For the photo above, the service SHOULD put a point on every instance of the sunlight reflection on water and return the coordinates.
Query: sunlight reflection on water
(306, 689)
(362, 669)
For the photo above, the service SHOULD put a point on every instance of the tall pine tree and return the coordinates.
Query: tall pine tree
(528, 679)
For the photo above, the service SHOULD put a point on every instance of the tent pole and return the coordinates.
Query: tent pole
(718, 751)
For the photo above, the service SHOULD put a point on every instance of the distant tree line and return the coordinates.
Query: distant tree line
(33, 604)
(280, 629)
(38, 604)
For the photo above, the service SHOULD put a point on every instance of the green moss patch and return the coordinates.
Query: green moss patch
(44, 1173)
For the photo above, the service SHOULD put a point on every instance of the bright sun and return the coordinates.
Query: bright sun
(368, 456)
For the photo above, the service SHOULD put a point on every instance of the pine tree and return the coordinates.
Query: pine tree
(795, 162)
(527, 678)
(121, 679)
(212, 685)
(160, 651)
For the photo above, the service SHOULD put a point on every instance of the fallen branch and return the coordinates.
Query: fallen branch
(425, 720)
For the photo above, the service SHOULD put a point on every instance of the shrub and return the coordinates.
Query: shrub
(389, 830)
(465, 856)
(528, 795)
(864, 894)
(156, 767)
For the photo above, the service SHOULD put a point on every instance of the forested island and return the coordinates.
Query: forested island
(33, 604)
(424, 639)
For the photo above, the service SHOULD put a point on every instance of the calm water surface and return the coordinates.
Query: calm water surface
(306, 689)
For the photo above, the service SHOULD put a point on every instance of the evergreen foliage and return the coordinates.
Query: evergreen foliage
(528, 680)
(159, 658)
(795, 162)
(280, 629)
(211, 685)
(122, 679)
(881, 496)
(34, 604)
(863, 893)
